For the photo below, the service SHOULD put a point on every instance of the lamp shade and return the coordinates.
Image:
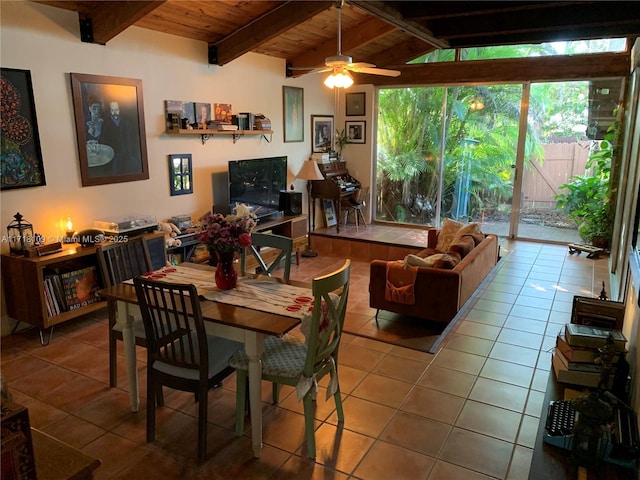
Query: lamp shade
(309, 171)
(339, 79)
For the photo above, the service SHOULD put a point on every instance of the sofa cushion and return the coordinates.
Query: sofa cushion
(447, 233)
(462, 246)
(470, 229)
(447, 261)
(439, 260)
(427, 252)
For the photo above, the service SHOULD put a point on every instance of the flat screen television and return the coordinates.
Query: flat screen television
(257, 183)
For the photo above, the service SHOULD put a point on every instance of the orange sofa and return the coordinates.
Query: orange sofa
(438, 293)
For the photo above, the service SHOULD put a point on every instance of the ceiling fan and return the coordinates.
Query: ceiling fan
(340, 65)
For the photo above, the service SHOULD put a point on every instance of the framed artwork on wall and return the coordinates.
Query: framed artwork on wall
(355, 103)
(21, 154)
(356, 131)
(110, 129)
(293, 114)
(180, 174)
(321, 133)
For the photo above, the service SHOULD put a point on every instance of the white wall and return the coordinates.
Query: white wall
(46, 41)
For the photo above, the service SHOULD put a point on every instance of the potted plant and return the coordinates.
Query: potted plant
(587, 200)
(341, 140)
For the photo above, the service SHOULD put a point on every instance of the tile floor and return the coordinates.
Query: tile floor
(470, 411)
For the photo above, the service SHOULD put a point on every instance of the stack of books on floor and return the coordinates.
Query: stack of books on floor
(577, 360)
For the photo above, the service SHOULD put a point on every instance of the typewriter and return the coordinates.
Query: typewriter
(621, 445)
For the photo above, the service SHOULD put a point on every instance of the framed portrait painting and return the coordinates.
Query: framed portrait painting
(21, 160)
(356, 131)
(110, 129)
(293, 114)
(355, 104)
(321, 133)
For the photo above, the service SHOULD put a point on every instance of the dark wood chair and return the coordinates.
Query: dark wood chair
(180, 353)
(354, 204)
(120, 261)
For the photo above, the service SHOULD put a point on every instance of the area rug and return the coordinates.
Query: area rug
(409, 332)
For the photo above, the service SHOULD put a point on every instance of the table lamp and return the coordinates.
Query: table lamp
(309, 172)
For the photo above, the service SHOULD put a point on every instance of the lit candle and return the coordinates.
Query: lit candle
(69, 227)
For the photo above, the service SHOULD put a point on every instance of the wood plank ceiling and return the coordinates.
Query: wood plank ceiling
(384, 33)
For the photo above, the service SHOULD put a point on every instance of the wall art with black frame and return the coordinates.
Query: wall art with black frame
(110, 129)
(180, 174)
(21, 158)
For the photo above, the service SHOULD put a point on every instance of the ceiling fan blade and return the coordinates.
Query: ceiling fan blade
(357, 65)
(377, 71)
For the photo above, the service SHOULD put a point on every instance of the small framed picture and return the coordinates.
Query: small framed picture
(356, 131)
(355, 103)
(180, 174)
(329, 212)
(321, 133)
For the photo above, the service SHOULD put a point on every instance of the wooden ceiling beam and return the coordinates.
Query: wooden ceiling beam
(103, 21)
(269, 26)
(402, 53)
(352, 38)
(535, 69)
(388, 12)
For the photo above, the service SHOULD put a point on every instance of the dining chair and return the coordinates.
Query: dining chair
(289, 360)
(180, 353)
(283, 245)
(354, 204)
(120, 261)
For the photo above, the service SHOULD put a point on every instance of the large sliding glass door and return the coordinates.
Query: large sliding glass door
(467, 152)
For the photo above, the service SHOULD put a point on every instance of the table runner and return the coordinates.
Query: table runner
(262, 294)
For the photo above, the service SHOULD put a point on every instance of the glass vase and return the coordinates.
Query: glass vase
(226, 276)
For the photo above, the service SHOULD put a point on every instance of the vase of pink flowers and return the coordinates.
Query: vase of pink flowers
(226, 235)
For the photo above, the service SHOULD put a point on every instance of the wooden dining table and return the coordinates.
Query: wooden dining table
(248, 325)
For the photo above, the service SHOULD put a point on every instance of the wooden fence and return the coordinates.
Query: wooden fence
(542, 180)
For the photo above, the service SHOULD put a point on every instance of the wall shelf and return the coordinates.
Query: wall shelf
(235, 134)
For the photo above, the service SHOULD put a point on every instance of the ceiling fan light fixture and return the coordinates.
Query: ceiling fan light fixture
(339, 79)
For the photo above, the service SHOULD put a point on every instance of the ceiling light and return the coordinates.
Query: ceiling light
(476, 104)
(339, 79)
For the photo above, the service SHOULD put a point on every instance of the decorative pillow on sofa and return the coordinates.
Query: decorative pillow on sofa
(472, 229)
(447, 234)
(439, 260)
(462, 246)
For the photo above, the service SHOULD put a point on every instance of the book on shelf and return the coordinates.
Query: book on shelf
(80, 287)
(593, 337)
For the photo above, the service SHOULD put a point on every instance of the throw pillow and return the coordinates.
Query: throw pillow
(470, 229)
(462, 246)
(412, 260)
(447, 234)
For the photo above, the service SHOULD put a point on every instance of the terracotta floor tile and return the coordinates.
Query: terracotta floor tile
(386, 391)
(386, 461)
(416, 433)
(433, 404)
(448, 381)
(507, 372)
(461, 361)
(499, 394)
(400, 368)
(483, 454)
(489, 420)
(466, 343)
(363, 416)
(448, 471)
(339, 448)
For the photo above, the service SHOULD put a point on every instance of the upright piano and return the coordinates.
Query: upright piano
(336, 185)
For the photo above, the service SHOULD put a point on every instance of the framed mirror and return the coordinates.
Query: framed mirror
(180, 174)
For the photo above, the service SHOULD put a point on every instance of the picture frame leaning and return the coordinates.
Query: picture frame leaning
(110, 129)
(22, 164)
